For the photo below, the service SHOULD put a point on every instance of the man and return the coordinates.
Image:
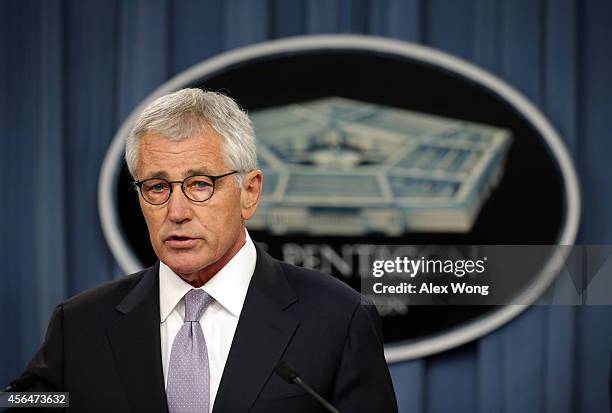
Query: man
(204, 329)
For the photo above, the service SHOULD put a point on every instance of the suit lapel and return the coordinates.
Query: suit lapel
(265, 328)
(135, 342)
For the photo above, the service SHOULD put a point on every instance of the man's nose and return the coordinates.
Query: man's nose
(179, 206)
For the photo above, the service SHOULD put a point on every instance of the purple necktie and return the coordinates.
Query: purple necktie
(188, 388)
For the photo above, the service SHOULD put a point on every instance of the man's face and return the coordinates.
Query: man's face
(195, 239)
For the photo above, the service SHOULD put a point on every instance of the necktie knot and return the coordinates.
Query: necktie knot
(196, 302)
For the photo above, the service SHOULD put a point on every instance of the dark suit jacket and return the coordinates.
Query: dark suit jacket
(103, 346)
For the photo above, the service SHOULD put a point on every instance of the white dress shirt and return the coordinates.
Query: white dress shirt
(228, 288)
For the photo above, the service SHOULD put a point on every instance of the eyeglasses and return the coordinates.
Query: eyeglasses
(198, 188)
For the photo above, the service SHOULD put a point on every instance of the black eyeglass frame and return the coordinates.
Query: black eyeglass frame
(213, 179)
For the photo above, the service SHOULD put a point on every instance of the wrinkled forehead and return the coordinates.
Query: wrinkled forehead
(202, 153)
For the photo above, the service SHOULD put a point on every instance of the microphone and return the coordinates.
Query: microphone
(21, 383)
(290, 376)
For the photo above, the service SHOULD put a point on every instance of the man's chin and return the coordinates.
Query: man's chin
(184, 266)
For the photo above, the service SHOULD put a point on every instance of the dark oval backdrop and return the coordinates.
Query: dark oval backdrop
(531, 205)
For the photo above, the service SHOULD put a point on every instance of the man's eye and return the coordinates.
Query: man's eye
(200, 185)
(158, 187)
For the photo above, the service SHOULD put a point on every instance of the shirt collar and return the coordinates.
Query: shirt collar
(228, 287)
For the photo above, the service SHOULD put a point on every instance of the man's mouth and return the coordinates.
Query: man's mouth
(180, 241)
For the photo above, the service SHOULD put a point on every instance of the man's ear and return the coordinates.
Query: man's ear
(250, 193)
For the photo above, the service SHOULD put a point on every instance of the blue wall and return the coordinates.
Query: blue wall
(72, 70)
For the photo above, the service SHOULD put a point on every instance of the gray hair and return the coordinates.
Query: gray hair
(187, 112)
